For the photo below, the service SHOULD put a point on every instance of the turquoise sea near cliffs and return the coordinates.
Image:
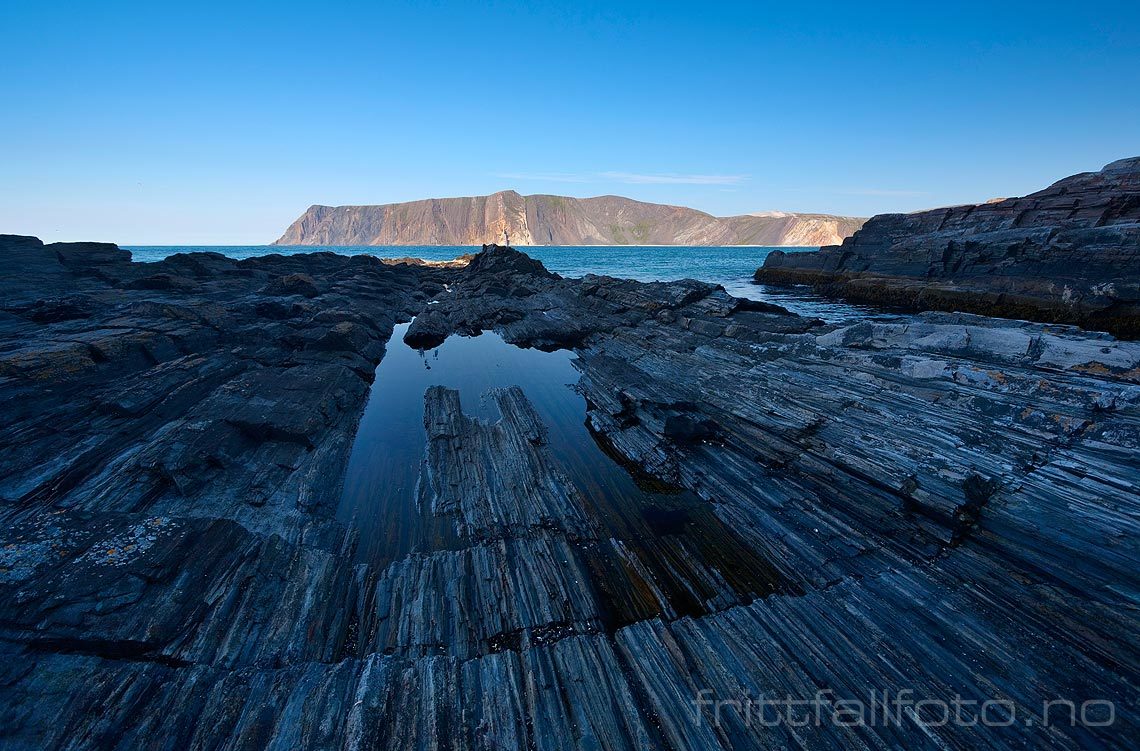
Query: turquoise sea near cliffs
(731, 267)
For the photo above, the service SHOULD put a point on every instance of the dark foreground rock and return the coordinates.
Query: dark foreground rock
(1066, 254)
(939, 508)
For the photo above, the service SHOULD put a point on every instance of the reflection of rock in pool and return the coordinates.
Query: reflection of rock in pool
(520, 485)
(666, 521)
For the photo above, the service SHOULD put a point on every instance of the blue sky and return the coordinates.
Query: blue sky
(187, 123)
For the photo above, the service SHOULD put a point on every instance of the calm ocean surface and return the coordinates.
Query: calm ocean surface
(731, 267)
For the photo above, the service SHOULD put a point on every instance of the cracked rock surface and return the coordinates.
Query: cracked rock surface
(943, 504)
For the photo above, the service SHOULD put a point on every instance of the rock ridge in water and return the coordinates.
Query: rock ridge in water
(1067, 254)
(944, 504)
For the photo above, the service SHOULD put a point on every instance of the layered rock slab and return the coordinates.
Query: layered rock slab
(947, 505)
(950, 459)
(1067, 254)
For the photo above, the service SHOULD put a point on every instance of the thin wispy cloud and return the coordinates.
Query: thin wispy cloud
(626, 178)
(633, 178)
(548, 177)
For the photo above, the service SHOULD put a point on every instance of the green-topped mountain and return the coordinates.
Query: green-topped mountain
(556, 220)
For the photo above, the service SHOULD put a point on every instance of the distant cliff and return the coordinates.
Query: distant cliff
(555, 220)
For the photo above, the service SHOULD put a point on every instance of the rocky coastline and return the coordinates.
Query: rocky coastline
(1067, 254)
(945, 505)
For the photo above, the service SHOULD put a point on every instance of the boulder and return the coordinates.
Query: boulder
(292, 284)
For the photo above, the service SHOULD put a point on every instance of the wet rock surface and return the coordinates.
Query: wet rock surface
(1067, 254)
(944, 504)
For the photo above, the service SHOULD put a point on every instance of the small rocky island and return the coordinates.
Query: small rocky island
(886, 511)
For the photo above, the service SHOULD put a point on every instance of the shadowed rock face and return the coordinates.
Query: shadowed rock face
(944, 504)
(1066, 254)
(555, 220)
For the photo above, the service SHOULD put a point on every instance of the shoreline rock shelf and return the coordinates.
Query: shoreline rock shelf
(944, 504)
(1067, 254)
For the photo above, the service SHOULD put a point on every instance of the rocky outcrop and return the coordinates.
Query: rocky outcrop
(171, 451)
(912, 483)
(555, 220)
(936, 508)
(1066, 254)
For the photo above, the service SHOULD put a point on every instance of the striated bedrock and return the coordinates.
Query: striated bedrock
(555, 220)
(1067, 254)
(945, 505)
(173, 437)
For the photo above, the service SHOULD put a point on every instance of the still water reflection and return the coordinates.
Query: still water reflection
(385, 461)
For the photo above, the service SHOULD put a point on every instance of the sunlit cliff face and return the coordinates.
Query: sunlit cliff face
(555, 220)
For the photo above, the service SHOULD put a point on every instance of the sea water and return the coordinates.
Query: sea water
(732, 267)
